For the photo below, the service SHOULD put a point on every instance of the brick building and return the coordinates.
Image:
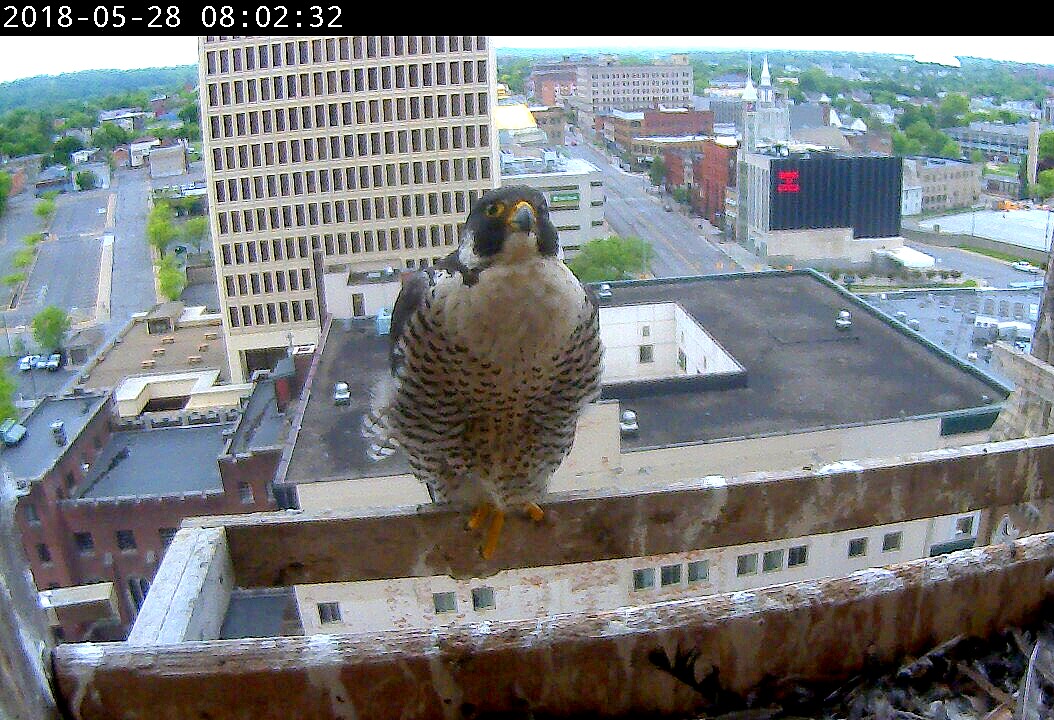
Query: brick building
(99, 502)
(680, 168)
(553, 86)
(677, 121)
(714, 172)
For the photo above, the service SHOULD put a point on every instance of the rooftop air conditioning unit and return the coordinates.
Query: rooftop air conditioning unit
(628, 423)
(844, 321)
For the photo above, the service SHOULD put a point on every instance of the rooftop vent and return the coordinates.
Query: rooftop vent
(58, 432)
(844, 321)
(628, 423)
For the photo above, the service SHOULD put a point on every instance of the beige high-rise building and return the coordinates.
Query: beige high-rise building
(369, 150)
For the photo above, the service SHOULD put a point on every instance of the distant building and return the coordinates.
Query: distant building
(998, 142)
(54, 177)
(120, 156)
(911, 192)
(132, 120)
(552, 120)
(602, 88)
(168, 161)
(139, 149)
(715, 171)
(798, 205)
(552, 87)
(946, 184)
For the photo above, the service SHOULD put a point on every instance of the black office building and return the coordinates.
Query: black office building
(832, 191)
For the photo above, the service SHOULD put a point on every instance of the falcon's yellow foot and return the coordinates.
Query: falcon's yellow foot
(534, 511)
(479, 515)
(493, 534)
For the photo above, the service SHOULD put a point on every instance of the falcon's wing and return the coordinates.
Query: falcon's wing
(412, 295)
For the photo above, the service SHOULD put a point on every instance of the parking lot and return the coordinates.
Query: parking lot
(946, 317)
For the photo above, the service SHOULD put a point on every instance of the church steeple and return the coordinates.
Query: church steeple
(750, 94)
(765, 93)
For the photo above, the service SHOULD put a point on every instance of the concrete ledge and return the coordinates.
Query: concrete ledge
(285, 548)
(657, 659)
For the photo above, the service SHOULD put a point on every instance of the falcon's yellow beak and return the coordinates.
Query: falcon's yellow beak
(522, 217)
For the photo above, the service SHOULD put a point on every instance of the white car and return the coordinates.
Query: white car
(28, 362)
(1026, 267)
(341, 394)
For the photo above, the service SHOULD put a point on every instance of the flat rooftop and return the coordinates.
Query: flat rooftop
(261, 425)
(802, 373)
(139, 463)
(137, 348)
(38, 451)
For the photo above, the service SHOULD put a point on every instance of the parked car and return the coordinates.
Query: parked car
(604, 291)
(28, 362)
(1026, 267)
(54, 362)
(341, 394)
(41, 363)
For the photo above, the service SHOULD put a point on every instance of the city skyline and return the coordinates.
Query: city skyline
(24, 57)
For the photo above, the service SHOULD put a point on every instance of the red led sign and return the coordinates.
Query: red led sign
(788, 181)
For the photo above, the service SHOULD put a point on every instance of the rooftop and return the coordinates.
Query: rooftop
(261, 425)
(137, 352)
(139, 463)
(801, 372)
(38, 452)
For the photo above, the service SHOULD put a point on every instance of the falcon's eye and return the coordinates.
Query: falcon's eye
(493, 210)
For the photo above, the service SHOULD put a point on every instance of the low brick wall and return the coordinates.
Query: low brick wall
(943, 239)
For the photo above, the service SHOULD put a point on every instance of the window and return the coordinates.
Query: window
(31, 515)
(643, 578)
(891, 541)
(645, 331)
(137, 589)
(647, 353)
(797, 555)
(125, 540)
(698, 571)
(445, 602)
(772, 560)
(85, 542)
(43, 553)
(670, 574)
(329, 612)
(747, 564)
(857, 547)
(483, 598)
(245, 493)
(964, 526)
(167, 535)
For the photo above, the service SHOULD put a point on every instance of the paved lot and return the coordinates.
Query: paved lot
(133, 280)
(1028, 228)
(946, 317)
(996, 273)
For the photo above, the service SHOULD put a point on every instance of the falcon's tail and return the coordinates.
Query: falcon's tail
(375, 426)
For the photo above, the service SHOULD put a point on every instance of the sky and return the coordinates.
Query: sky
(43, 55)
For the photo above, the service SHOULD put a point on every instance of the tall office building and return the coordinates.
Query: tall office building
(363, 152)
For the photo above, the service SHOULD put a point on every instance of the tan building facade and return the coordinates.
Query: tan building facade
(368, 150)
(600, 89)
(947, 183)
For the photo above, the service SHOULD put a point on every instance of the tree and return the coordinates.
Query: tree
(1045, 183)
(64, 148)
(109, 136)
(50, 326)
(7, 395)
(1046, 146)
(612, 258)
(171, 278)
(45, 209)
(194, 231)
(976, 156)
(5, 191)
(86, 180)
(160, 231)
(657, 172)
(189, 114)
(952, 109)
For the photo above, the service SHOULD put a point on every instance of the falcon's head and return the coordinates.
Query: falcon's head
(507, 226)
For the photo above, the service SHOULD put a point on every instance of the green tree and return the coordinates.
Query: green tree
(194, 231)
(1045, 183)
(904, 145)
(976, 156)
(50, 326)
(612, 258)
(160, 231)
(7, 395)
(109, 136)
(189, 114)
(170, 278)
(5, 191)
(86, 180)
(1046, 146)
(45, 209)
(951, 110)
(1022, 177)
(657, 171)
(64, 148)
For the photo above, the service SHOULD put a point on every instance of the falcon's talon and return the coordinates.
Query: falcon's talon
(478, 516)
(493, 534)
(536, 513)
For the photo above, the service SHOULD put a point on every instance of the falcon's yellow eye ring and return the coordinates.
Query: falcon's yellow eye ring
(494, 209)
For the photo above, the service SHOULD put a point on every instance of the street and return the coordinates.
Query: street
(680, 244)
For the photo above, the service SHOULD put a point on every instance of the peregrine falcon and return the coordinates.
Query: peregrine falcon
(494, 354)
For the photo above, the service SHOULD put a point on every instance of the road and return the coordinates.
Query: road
(680, 243)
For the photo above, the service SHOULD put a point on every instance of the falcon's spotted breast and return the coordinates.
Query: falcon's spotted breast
(495, 353)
